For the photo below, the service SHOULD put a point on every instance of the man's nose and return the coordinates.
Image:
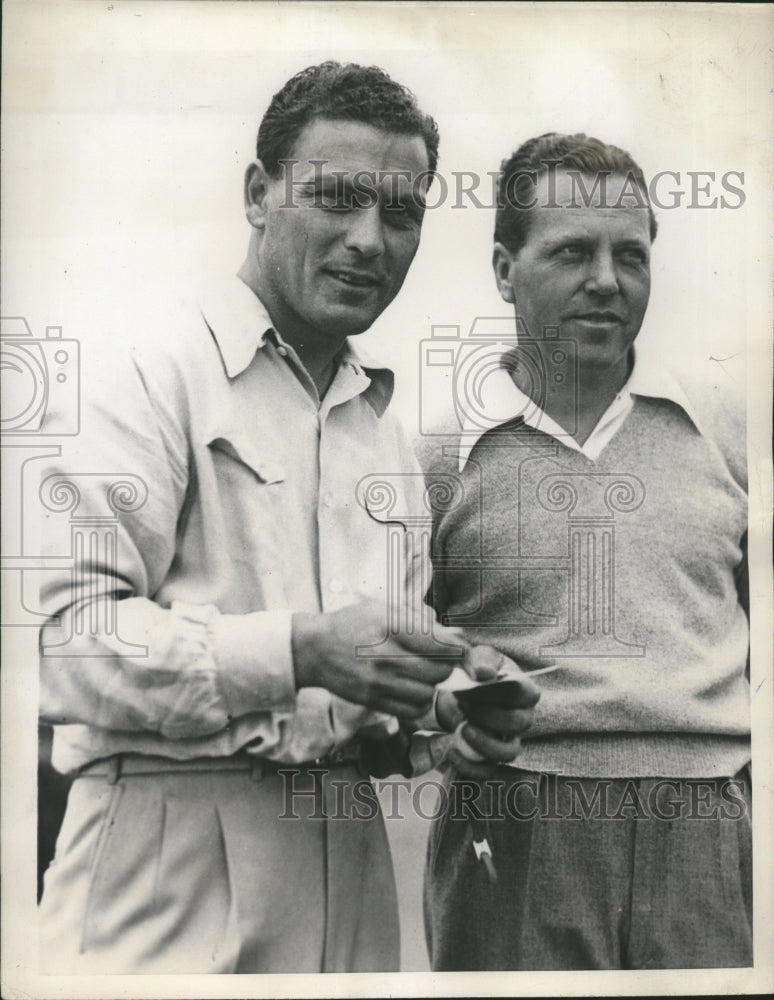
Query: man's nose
(364, 232)
(602, 279)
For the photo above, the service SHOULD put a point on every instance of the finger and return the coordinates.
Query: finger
(462, 746)
(397, 654)
(501, 723)
(442, 641)
(439, 641)
(388, 686)
(447, 711)
(483, 663)
(425, 670)
(526, 661)
(402, 709)
(464, 768)
(503, 751)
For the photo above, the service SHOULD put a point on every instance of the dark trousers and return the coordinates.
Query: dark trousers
(639, 873)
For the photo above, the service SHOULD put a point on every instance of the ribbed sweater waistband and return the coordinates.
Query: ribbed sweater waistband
(636, 755)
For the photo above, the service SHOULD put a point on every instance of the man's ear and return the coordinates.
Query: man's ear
(257, 183)
(502, 259)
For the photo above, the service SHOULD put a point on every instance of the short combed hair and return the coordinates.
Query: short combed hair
(580, 153)
(340, 91)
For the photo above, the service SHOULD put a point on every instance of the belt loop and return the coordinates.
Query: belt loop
(114, 769)
(256, 771)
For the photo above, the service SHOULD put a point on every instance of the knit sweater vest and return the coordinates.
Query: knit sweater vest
(623, 571)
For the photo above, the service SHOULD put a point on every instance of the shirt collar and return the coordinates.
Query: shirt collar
(379, 392)
(501, 401)
(650, 377)
(237, 320)
(240, 325)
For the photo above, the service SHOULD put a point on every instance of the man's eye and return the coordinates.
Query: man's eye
(400, 215)
(332, 203)
(633, 255)
(571, 251)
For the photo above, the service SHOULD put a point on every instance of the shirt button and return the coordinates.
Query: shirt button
(282, 351)
(336, 586)
(327, 500)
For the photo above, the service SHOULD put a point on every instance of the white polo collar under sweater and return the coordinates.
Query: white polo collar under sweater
(502, 401)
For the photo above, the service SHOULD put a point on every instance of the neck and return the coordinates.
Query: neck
(315, 351)
(577, 407)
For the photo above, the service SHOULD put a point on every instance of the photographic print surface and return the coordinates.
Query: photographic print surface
(583, 531)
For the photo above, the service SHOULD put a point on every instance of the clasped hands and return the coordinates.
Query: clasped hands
(330, 650)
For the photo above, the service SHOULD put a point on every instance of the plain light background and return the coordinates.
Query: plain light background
(127, 128)
(126, 131)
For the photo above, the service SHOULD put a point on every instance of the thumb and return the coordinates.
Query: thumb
(483, 663)
(462, 746)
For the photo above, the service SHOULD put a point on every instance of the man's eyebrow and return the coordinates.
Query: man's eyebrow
(584, 238)
(365, 183)
(339, 182)
(633, 241)
(320, 180)
(559, 239)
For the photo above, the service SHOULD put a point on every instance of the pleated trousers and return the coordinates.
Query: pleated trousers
(183, 870)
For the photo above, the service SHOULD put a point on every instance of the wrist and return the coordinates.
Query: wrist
(305, 646)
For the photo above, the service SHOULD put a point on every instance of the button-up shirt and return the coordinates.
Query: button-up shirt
(245, 499)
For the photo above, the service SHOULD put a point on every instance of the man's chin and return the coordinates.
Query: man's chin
(346, 322)
(603, 359)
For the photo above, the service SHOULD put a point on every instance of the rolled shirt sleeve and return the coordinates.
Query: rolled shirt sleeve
(211, 500)
(200, 671)
(182, 671)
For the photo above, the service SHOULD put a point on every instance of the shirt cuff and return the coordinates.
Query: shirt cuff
(255, 661)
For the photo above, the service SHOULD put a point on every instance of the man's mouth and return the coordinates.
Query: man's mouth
(600, 316)
(356, 279)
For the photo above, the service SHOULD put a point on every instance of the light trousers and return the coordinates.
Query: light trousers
(195, 871)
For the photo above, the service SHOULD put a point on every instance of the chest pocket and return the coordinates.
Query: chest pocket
(248, 492)
(240, 448)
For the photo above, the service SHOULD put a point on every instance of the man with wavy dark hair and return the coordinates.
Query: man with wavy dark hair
(220, 736)
(603, 526)
(347, 93)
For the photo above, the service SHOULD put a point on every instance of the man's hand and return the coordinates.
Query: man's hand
(486, 733)
(400, 680)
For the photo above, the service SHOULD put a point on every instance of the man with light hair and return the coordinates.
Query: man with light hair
(603, 526)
